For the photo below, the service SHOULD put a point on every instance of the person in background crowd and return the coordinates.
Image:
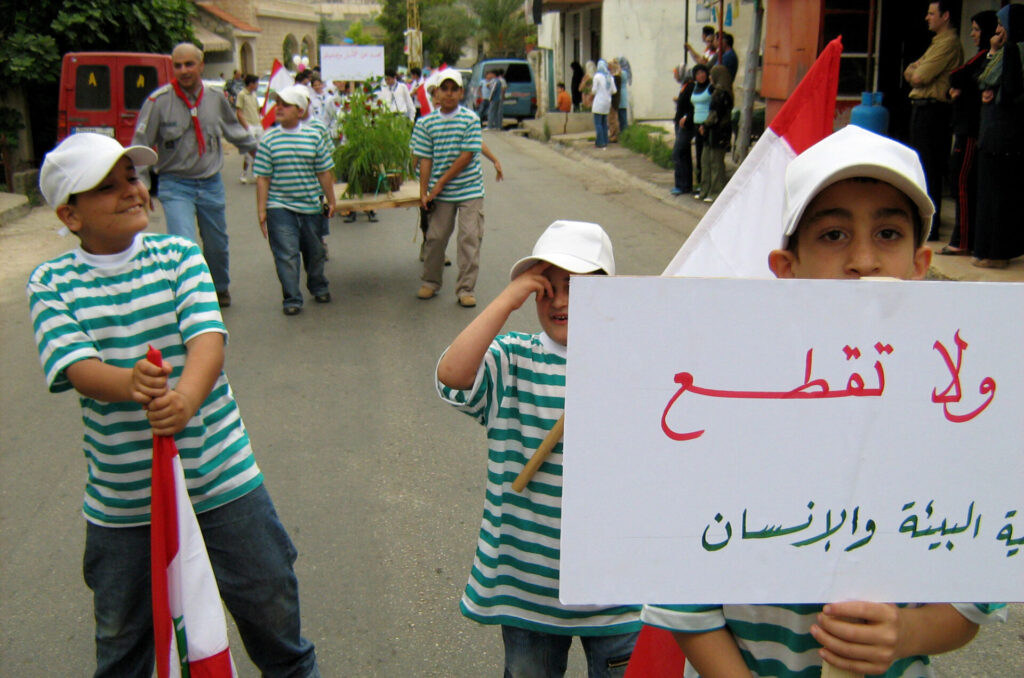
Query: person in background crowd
(717, 128)
(707, 36)
(186, 129)
(496, 110)
(574, 85)
(1000, 226)
(247, 107)
(728, 55)
(587, 86)
(930, 112)
(700, 99)
(682, 158)
(627, 80)
(603, 87)
(395, 95)
(966, 114)
(613, 112)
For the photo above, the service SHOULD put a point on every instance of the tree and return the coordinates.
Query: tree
(358, 35)
(35, 34)
(324, 35)
(503, 26)
(439, 33)
(449, 27)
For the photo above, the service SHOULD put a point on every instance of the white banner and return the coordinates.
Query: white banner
(351, 62)
(793, 441)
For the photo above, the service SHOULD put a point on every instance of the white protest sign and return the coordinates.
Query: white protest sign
(793, 441)
(351, 62)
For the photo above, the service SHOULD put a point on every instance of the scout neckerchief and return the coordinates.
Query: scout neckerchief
(194, 111)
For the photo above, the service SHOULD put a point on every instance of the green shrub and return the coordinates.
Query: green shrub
(373, 138)
(661, 154)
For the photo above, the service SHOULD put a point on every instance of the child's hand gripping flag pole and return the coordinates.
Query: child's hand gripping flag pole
(189, 627)
(745, 223)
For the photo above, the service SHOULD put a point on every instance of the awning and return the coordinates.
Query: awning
(210, 41)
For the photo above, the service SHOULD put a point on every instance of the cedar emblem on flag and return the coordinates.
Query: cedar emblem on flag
(189, 627)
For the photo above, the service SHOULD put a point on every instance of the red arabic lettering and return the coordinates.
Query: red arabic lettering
(952, 393)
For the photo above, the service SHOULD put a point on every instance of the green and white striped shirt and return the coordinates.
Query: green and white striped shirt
(443, 138)
(112, 308)
(518, 396)
(292, 159)
(776, 640)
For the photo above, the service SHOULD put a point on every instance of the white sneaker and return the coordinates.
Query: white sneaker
(243, 179)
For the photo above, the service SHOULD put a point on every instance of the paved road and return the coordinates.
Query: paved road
(378, 482)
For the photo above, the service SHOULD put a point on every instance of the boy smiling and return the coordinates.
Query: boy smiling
(95, 311)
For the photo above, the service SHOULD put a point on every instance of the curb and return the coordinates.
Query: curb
(13, 207)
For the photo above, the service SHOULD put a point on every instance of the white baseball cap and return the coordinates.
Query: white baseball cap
(80, 162)
(576, 246)
(296, 95)
(449, 74)
(847, 154)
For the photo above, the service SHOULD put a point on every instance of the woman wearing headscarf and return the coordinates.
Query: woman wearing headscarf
(627, 80)
(718, 130)
(999, 233)
(586, 85)
(966, 99)
(682, 157)
(613, 112)
(574, 85)
(603, 87)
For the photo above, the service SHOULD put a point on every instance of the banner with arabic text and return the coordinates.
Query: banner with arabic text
(793, 441)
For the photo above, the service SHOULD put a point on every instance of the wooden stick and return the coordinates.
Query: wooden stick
(546, 445)
(829, 671)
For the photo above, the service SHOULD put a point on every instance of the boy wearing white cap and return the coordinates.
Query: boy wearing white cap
(293, 169)
(447, 146)
(95, 311)
(514, 384)
(856, 206)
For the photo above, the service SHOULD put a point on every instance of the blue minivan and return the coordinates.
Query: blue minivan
(521, 95)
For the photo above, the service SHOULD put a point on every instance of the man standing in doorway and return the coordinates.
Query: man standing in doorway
(930, 108)
(184, 123)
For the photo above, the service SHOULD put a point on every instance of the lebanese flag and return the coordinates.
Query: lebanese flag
(426, 105)
(189, 628)
(279, 79)
(745, 222)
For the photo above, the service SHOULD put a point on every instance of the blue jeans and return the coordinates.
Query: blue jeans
(186, 201)
(533, 654)
(291, 234)
(496, 113)
(623, 118)
(252, 558)
(601, 127)
(682, 159)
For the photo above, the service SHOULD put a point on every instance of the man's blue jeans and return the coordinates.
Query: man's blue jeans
(292, 234)
(252, 558)
(532, 654)
(601, 128)
(186, 201)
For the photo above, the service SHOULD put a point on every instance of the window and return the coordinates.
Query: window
(92, 88)
(517, 73)
(139, 81)
(855, 21)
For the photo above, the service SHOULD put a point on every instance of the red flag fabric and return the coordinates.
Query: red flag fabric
(189, 627)
(279, 79)
(656, 655)
(745, 223)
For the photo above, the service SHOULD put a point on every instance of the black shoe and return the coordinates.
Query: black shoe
(224, 298)
(350, 217)
(372, 216)
(292, 310)
(324, 298)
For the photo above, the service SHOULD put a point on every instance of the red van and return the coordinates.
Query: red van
(103, 91)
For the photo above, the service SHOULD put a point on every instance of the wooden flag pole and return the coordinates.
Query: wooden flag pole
(829, 671)
(546, 445)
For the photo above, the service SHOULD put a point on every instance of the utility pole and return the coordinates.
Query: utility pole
(413, 37)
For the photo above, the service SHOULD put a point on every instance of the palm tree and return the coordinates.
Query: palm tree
(502, 26)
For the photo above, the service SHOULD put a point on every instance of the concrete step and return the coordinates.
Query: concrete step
(13, 206)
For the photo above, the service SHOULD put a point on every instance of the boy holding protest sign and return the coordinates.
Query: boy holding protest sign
(856, 206)
(514, 384)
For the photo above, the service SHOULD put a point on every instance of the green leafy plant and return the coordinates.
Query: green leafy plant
(374, 143)
(10, 125)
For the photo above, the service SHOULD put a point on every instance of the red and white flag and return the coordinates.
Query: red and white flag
(745, 222)
(189, 627)
(279, 79)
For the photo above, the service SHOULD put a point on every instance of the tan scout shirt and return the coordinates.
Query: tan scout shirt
(166, 124)
(942, 57)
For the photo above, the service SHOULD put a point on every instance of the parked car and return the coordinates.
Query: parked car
(521, 95)
(103, 91)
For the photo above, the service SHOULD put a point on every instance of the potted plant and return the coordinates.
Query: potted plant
(373, 155)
